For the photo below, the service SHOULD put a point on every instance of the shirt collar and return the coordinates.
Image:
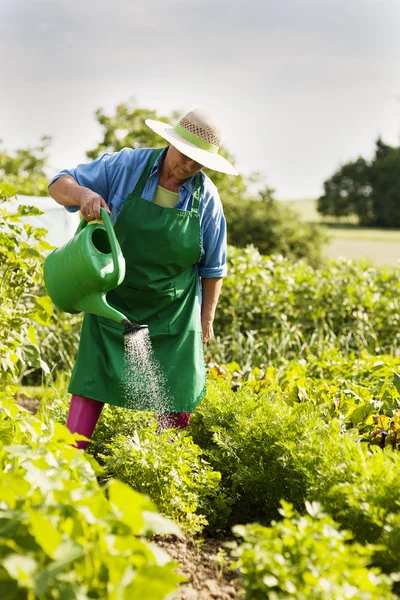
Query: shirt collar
(188, 184)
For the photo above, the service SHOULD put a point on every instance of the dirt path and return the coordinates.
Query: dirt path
(208, 578)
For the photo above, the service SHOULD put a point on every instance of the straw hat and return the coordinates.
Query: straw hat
(198, 137)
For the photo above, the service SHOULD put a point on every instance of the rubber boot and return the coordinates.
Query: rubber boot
(82, 417)
(175, 420)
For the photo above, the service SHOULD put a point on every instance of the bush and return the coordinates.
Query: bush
(273, 228)
(62, 535)
(365, 500)
(260, 443)
(169, 467)
(272, 310)
(269, 445)
(21, 307)
(304, 557)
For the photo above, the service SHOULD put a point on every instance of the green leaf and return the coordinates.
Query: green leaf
(66, 553)
(396, 381)
(44, 366)
(21, 568)
(156, 523)
(46, 303)
(43, 245)
(32, 335)
(45, 534)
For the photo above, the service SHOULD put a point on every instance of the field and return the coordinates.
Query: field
(293, 455)
(380, 247)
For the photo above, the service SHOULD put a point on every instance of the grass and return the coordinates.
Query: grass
(380, 247)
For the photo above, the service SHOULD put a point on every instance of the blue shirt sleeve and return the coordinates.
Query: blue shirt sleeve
(213, 261)
(92, 175)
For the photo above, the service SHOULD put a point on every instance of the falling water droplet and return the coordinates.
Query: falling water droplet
(145, 385)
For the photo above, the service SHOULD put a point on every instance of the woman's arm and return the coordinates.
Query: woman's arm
(67, 192)
(211, 289)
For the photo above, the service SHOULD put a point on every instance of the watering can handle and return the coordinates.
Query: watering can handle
(111, 237)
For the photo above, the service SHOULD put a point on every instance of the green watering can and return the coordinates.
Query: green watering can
(79, 274)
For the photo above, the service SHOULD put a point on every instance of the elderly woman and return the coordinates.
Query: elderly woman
(169, 222)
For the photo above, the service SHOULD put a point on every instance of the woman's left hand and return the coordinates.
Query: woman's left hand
(208, 331)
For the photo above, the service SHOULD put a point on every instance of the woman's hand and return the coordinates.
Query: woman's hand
(207, 329)
(210, 289)
(91, 204)
(67, 192)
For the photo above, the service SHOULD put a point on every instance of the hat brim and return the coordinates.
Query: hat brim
(203, 157)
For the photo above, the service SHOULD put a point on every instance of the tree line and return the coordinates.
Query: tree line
(368, 190)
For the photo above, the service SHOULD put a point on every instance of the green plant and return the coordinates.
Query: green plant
(61, 535)
(252, 439)
(24, 169)
(168, 467)
(272, 228)
(272, 310)
(303, 557)
(21, 306)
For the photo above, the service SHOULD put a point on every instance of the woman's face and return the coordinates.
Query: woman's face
(181, 166)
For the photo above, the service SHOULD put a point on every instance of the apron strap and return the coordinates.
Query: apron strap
(139, 187)
(196, 194)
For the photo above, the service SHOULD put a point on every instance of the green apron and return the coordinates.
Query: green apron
(161, 247)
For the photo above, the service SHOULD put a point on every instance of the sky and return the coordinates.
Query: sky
(299, 86)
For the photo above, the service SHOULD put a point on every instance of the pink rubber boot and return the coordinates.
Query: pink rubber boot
(82, 417)
(173, 420)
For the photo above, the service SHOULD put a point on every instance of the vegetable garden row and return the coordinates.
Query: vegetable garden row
(293, 453)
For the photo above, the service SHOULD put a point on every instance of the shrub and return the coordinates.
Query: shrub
(169, 468)
(272, 310)
(253, 440)
(272, 228)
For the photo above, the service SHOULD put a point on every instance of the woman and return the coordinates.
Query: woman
(170, 225)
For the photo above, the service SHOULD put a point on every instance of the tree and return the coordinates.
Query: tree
(381, 149)
(368, 190)
(385, 179)
(348, 192)
(24, 169)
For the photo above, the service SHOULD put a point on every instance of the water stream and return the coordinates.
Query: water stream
(145, 386)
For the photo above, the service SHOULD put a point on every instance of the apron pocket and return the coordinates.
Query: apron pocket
(154, 309)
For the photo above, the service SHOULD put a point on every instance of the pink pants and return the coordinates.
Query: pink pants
(84, 413)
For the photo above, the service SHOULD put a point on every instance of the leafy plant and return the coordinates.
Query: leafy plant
(61, 536)
(169, 468)
(272, 310)
(24, 169)
(21, 306)
(303, 557)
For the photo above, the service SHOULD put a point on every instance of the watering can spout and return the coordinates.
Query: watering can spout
(98, 305)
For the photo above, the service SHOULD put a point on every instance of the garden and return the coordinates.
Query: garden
(286, 479)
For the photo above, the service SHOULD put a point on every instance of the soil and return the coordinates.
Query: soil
(208, 576)
(31, 404)
(205, 563)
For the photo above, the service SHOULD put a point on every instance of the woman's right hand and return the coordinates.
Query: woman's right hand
(91, 204)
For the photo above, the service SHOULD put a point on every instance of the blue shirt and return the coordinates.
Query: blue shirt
(114, 176)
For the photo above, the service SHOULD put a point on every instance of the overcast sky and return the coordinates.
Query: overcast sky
(299, 86)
